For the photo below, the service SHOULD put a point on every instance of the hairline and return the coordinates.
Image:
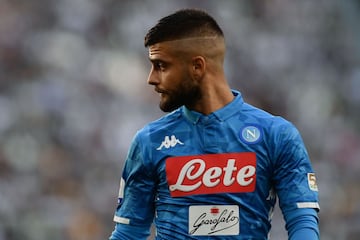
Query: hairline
(189, 39)
(210, 47)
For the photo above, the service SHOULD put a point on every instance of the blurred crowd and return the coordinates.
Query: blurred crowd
(73, 92)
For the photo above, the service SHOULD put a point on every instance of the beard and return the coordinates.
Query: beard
(187, 93)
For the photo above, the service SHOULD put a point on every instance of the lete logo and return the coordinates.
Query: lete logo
(211, 173)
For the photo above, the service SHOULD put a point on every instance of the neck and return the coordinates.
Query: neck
(213, 98)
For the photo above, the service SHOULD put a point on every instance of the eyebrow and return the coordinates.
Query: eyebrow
(155, 60)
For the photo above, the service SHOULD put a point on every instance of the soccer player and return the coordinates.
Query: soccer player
(213, 166)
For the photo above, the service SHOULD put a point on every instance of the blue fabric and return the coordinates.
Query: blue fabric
(282, 169)
(129, 232)
(302, 223)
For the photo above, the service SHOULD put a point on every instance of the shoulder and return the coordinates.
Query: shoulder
(279, 135)
(160, 125)
(148, 139)
(264, 118)
(276, 129)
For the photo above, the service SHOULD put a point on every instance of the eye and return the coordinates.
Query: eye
(159, 65)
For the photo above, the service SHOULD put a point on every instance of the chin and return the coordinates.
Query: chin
(166, 107)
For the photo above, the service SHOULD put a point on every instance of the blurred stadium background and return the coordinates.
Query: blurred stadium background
(73, 92)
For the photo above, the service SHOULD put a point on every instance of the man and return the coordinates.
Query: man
(213, 167)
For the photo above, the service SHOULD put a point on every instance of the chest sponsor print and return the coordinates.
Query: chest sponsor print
(205, 220)
(211, 174)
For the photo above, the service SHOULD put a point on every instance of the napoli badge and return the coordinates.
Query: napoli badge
(251, 134)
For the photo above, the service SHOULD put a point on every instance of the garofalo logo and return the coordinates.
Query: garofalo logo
(210, 220)
(211, 173)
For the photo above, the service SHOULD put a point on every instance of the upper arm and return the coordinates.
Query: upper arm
(293, 175)
(296, 187)
(136, 195)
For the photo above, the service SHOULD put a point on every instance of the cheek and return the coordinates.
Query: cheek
(176, 78)
(172, 79)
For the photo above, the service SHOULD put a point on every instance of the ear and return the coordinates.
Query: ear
(198, 67)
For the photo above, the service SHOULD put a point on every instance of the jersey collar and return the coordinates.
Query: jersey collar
(221, 115)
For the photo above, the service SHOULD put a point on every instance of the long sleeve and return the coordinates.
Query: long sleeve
(135, 212)
(302, 223)
(128, 232)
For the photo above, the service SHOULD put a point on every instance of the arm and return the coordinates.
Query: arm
(128, 232)
(135, 211)
(295, 184)
(302, 223)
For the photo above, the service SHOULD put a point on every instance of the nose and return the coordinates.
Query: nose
(152, 78)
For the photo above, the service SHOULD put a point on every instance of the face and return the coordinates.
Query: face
(172, 78)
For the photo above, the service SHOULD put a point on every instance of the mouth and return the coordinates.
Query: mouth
(161, 92)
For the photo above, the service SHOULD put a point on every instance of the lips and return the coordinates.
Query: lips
(160, 91)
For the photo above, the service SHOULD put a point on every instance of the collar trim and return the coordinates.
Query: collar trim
(221, 114)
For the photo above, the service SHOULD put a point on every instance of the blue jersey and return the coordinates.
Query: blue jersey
(214, 176)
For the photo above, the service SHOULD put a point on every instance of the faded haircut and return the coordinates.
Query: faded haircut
(185, 23)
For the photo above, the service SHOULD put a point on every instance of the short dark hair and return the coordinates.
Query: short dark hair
(183, 24)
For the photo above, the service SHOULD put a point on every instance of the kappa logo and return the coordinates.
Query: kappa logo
(169, 142)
